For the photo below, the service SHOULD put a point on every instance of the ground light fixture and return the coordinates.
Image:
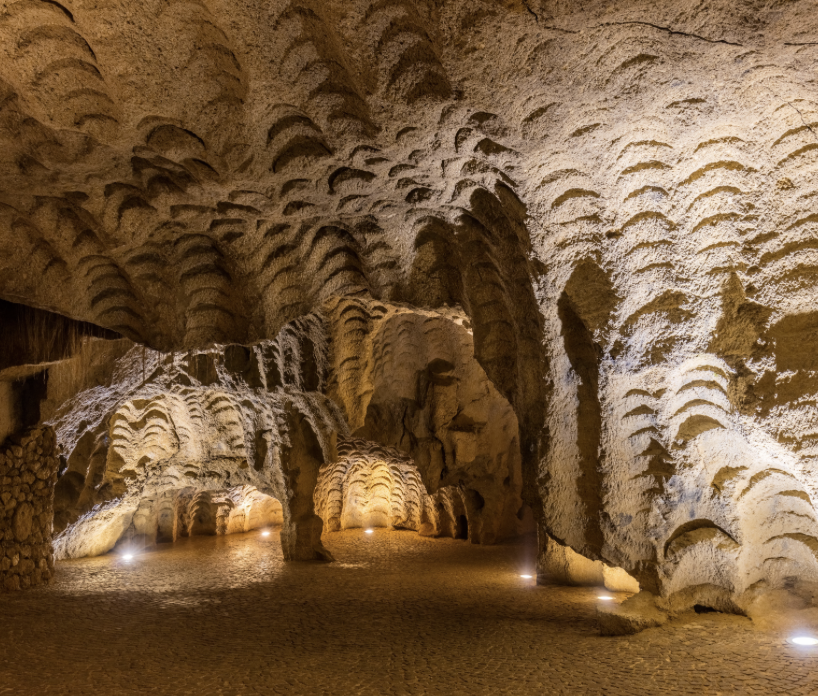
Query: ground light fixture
(265, 534)
(526, 576)
(803, 641)
(369, 531)
(604, 597)
(127, 557)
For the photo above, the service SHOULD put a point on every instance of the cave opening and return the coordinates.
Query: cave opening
(703, 609)
(461, 527)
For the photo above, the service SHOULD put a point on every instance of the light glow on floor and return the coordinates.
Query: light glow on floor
(369, 531)
(127, 557)
(804, 640)
(527, 577)
(265, 534)
(605, 598)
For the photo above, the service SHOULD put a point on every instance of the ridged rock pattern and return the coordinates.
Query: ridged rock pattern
(375, 486)
(207, 442)
(566, 247)
(232, 437)
(408, 378)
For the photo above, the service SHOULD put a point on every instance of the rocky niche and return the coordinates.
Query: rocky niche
(28, 472)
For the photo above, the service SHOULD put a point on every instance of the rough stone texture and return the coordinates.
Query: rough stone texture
(375, 486)
(169, 445)
(410, 379)
(8, 416)
(28, 471)
(172, 445)
(604, 210)
(558, 564)
(403, 614)
(632, 616)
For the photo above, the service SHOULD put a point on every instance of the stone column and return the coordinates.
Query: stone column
(28, 473)
(300, 462)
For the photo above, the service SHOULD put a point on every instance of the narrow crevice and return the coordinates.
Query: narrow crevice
(669, 31)
(584, 356)
(531, 12)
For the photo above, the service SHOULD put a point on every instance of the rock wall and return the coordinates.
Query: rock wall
(561, 565)
(172, 445)
(9, 421)
(375, 486)
(169, 445)
(28, 472)
(410, 379)
(571, 245)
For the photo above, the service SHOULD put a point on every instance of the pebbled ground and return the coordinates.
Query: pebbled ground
(398, 614)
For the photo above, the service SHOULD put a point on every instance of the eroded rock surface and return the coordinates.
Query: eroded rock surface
(562, 256)
(236, 437)
(375, 486)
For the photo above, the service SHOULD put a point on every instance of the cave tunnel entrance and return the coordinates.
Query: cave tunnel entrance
(461, 527)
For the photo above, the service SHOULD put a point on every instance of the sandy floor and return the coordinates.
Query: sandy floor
(398, 614)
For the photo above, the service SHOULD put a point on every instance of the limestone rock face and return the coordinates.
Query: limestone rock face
(560, 255)
(409, 379)
(235, 437)
(372, 486)
(558, 564)
(375, 486)
(201, 443)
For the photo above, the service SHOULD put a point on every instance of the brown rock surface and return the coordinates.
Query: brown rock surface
(27, 511)
(562, 256)
(176, 445)
(21, 523)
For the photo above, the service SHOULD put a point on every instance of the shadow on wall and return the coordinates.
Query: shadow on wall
(21, 392)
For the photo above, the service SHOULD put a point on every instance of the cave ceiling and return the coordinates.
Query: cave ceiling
(190, 172)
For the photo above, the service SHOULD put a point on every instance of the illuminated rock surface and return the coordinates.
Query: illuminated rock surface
(172, 445)
(558, 261)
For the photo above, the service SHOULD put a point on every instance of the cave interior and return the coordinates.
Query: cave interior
(528, 274)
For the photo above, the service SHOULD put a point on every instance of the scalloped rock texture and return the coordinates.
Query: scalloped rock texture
(231, 438)
(207, 442)
(614, 207)
(374, 486)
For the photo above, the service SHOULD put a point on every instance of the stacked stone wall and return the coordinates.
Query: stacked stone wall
(28, 472)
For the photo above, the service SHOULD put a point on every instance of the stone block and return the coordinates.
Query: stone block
(22, 521)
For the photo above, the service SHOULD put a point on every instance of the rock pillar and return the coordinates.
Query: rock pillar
(28, 472)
